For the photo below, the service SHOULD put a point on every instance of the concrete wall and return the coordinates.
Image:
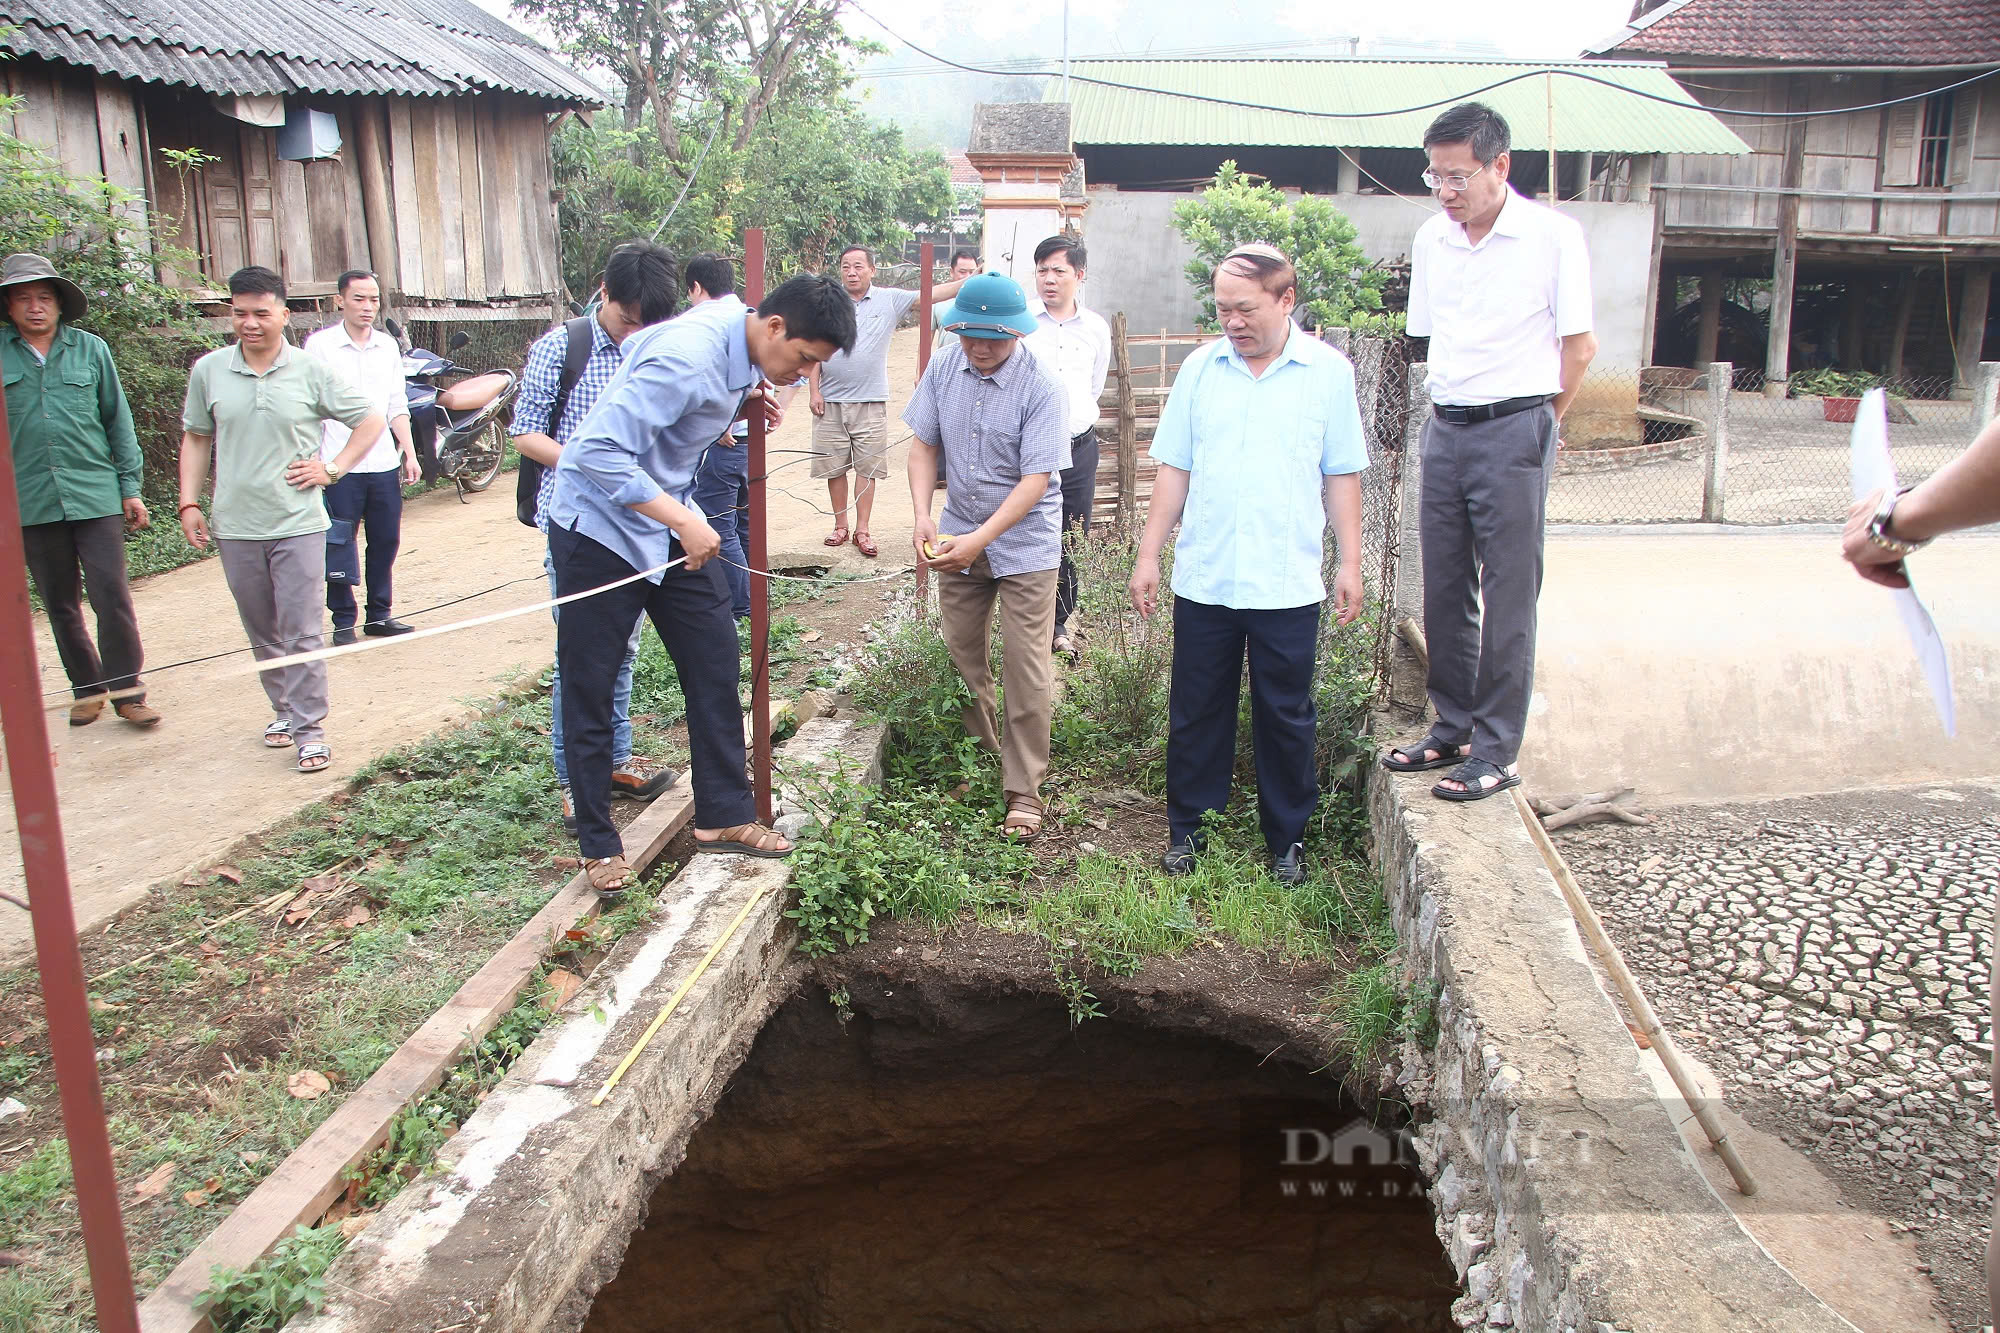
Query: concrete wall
(1136, 258)
(1566, 1199)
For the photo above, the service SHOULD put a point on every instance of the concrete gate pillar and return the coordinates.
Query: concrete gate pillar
(1033, 181)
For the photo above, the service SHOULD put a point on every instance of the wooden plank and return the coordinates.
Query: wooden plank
(490, 203)
(1128, 435)
(328, 213)
(472, 197)
(531, 144)
(295, 236)
(259, 148)
(508, 208)
(424, 163)
(77, 136)
(357, 253)
(450, 204)
(405, 188)
(37, 121)
(306, 1183)
(123, 152)
(225, 242)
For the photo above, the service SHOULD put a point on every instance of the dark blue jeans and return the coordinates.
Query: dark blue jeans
(362, 504)
(722, 490)
(1209, 643)
(690, 611)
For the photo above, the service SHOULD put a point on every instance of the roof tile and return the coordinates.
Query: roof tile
(1827, 32)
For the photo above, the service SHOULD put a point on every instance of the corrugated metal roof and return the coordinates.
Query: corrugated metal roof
(1589, 116)
(417, 47)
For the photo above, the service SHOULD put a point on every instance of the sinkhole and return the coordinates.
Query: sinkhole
(925, 1158)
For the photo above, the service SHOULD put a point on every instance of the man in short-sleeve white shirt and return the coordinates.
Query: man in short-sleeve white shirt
(369, 499)
(1501, 287)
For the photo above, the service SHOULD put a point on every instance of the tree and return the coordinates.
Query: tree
(1338, 286)
(729, 58)
(816, 174)
(95, 235)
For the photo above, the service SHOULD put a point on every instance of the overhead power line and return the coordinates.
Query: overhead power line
(1536, 73)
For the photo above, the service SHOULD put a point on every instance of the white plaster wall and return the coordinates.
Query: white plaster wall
(1136, 260)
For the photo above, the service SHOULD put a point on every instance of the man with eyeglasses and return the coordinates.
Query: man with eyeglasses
(1501, 287)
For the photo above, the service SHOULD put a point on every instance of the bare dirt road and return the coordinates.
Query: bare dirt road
(140, 808)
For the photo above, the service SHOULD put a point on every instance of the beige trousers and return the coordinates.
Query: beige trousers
(1027, 622)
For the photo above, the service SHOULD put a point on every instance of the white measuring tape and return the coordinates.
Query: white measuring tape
(393, 641)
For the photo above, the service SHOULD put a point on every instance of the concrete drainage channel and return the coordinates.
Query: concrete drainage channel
(891, 1139)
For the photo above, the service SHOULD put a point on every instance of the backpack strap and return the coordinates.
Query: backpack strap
(576, 355)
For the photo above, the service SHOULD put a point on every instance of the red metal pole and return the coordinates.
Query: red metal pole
(33, 774)
(926, 259)
(760, 557)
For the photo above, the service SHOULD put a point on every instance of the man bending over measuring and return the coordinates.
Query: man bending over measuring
(623, 506)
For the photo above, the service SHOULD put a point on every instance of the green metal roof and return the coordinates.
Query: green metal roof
(1311, 103)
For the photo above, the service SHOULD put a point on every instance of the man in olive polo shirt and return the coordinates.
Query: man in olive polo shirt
(76, 472)
(257, 407)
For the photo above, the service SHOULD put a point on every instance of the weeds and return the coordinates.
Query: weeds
(266, 1296)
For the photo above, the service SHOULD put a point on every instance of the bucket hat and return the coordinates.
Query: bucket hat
(33, 268)
(989, 305)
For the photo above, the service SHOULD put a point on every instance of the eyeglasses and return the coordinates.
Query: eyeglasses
(1433, 181)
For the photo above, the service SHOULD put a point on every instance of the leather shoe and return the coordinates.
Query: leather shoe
(86, 711)
(1289, 867)
(1179, 859)
(343, 637)
(382, 629)
(634, 784)
(137, 712)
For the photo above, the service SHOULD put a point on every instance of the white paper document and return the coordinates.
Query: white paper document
(1871, 470)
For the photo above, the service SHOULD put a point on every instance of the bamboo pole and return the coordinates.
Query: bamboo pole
(1635, 999)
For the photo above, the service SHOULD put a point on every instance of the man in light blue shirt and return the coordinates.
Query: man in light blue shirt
(623, 510)
(1259, 446)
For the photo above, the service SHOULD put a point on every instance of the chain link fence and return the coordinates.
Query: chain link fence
(1672, 445)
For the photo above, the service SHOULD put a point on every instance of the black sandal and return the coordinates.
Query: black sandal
(1470, 773)
(1413, 761)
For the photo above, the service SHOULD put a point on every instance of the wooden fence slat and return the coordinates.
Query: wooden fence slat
(1128, 435)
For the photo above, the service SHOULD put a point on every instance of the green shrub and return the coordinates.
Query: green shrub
(1339, 287)
(267, 1295)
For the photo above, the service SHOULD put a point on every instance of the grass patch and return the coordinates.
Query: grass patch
(926, 845)
(441, 852)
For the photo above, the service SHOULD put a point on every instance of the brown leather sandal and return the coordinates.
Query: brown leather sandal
(1024, 818)
(751, 839)
(609, 874)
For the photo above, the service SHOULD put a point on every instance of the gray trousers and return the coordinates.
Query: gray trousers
(280, 588)
(1485, 492)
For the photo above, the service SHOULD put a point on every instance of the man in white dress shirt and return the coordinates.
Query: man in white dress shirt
(369, 498)
(1501, 287)
(1075, 345)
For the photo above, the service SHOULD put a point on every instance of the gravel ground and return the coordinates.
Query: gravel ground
(1827, 957)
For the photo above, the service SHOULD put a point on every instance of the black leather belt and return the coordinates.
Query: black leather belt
(1506, 407)
(1087, 433)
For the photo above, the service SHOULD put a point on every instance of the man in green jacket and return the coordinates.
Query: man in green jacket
(76, 469)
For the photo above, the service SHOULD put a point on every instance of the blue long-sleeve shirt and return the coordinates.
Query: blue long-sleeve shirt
(679, 386)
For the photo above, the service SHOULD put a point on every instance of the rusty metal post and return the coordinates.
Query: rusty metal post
(759, 554)
(58, 962)
(926, 261)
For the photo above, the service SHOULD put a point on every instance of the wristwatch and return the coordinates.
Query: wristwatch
(333, 474)
(1878, 526)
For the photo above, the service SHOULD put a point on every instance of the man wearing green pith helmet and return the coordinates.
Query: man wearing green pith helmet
(1001, 421)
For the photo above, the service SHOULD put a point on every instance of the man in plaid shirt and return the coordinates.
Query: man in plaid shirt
(639, 289)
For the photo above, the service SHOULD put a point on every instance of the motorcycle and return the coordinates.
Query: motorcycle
(460, 429)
